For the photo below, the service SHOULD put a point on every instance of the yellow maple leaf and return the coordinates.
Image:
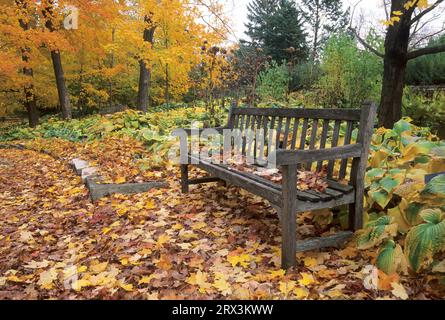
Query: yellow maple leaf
(221, 284)
(307, 279)
(301, 293)
(79, 284)
(146, 280)
(310, 262)
(46, 278)
(126, 286)
(164, 262)
(286, 287)
(277, 273)
(163, 238)
(150, 204)
(99, 267)
(242, 259)
(120, 180)
(199, 279)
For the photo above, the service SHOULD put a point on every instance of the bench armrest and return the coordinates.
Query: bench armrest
(293, 157)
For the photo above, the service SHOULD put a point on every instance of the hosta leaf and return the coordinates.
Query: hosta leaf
(402, 126)
(425, 240)
(375, 173)
(390, 258)
(402, 223)
(436, 186)
(378, 157)
(381, 197)
(388, 184)
(412, 213)
(377, 231)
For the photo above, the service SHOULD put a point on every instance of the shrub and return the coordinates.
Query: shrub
(273, 82)
(424, 110)
(350, 75)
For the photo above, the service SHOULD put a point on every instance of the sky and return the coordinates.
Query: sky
(237, 11)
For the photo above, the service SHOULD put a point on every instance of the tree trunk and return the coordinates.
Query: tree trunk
(110, 86)
(30, 98)
(167, 86)
(31, 106)
(395, 61)
(64, 99)
(145, 72)
(392, 92)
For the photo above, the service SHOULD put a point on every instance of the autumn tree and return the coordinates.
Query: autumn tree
(404, 17)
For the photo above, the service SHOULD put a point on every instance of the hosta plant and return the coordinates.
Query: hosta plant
(398, 197)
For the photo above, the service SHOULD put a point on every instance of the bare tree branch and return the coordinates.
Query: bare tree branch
(424, 51)
(426, 37)
(365, 44)
(424, 12)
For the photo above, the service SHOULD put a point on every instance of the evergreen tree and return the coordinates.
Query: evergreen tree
(323, 18)
(276, 26)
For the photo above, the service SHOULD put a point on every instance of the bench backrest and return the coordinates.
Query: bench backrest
(295, 128)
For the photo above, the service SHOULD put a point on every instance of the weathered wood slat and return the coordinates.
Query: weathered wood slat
(270, 140)
(324, 135)
(334, 193)
(288, 221)
(280, 125)
(308, 196)
(303, 134)
(235, 178)
(331, 114)
(303, 206)
(334, 241)
(286, 133)
(335, 136)
(294, 133)
(204, 180)
(344, 162)
(322, 196)
(359, 164)
(288, 157)
(263, 143)
(339, 186)
(312, 141)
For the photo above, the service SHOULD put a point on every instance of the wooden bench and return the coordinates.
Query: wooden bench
(298, 145)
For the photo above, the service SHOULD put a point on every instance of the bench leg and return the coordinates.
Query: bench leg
(288, 222)
(356, 212)
(184, 178)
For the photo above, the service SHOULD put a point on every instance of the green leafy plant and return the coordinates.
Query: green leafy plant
(398, 196)
(349, 75)
(273, 82)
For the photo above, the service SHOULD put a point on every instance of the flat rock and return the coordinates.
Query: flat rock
(88, 172)
(98, 191)
(79, 165)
